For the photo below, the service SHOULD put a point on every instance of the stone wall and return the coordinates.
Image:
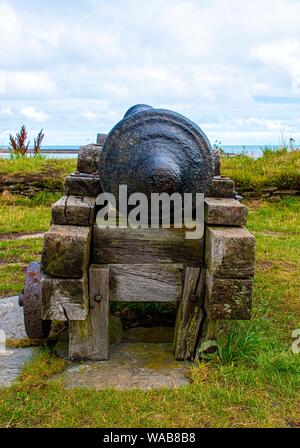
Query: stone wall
(271, 193)
(29, 185)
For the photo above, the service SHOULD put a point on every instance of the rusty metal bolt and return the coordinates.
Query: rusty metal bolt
(98, 298)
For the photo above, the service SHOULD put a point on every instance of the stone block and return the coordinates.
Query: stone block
(222, 187)
(74, 210)
(228, 298)
(101, 139)
(82, 185)
(64, 299)
(225, 212)
(88, 159)
(230, 252)
(66, 251)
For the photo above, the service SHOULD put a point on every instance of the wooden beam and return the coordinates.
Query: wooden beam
(90, 339)
(146, 283)
(64, 298)
(126, 246)
(190, 314)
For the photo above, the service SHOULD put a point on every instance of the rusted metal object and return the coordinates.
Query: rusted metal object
(31, 301)
(154, 151)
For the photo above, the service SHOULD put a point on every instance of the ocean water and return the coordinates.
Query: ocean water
(51, 152)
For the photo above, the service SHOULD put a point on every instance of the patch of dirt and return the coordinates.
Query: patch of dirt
(293, 423)
(271, 233)
(254, 204)
(265, 265)
(10, 261)
(19, 235)
(8, 294)
(17, 178)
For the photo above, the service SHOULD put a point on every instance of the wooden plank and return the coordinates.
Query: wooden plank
(126, 246)
(190, 314)
(74, 210)
(225, 212)
(222, 187)
(66, 251)
(90, 339)
(228, 298)
(82, 185)
(230, 252)
(64, 298)
(145, 283)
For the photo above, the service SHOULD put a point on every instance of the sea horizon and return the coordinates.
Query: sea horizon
(71, 151)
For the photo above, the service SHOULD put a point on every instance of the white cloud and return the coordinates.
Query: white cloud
(33, 114)
(84, 63)
(26, 84)
(90, 116)
(7, 111)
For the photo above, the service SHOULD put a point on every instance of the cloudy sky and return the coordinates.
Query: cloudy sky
(73, 67)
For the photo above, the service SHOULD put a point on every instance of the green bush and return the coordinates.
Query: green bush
(279, 168)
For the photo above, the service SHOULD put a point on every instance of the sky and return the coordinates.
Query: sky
(74, 67)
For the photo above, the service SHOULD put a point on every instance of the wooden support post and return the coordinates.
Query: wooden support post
(190, 314)
(90, 339)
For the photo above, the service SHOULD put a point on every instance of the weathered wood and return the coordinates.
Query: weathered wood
(66, 251)
(225, 212)
(207, 343)
(228, 298)
(64, 299)
(222, 187)
(74, 210)
(88, 159)
(189, 314)
(230, 252)
(90, 339)
(146, 246)
(82, 185)
(146, 282)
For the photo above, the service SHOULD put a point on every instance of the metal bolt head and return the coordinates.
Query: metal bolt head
(98, 298)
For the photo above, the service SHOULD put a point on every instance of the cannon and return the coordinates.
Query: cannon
(86, 266)
(155, 151)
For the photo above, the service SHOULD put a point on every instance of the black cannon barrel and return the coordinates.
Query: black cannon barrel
(154, 151)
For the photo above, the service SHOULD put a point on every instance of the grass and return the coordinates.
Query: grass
(253, 381)
(34, 165)
(14, 258)
(279, 168)
(24, 219)
(275, 217)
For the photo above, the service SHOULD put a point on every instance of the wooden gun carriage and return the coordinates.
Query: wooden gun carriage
(84, 267)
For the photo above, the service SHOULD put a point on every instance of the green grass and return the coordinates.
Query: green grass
(253, 381)
(34, 165)
(14, 258)
(24, 218)
(277, 217)
(275, 168)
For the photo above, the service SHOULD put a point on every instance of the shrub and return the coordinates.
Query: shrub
(18, 145)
